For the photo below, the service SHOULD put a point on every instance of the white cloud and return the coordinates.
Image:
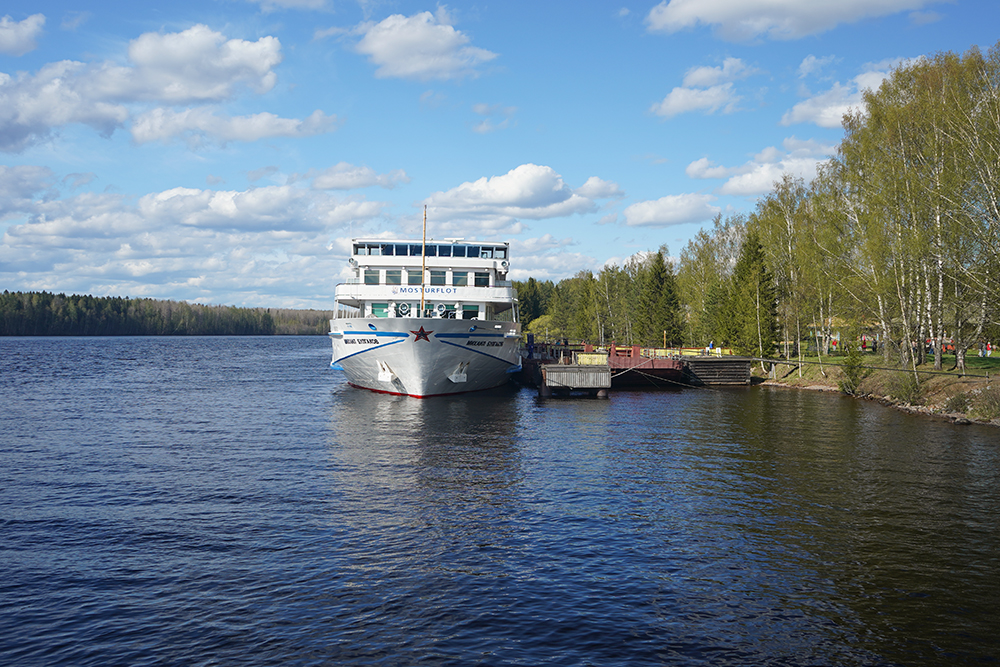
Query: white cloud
(671, 210)
(732, 69)
(30, 106)
(705, 88)
(547, 258)
(705, 168)
(497, 204)
(18, 37)
(776, 19)
(165, 124)
(827, 109)
(799, 148)
(424, 46)
(683, 100)
(345, 176)
(276, 208)
(596, 188)
(812, 65)
(20, 185)
(197, 66)
(183, 243)
(799, 158)
(540, 244)
(759, 180)
(272, 208)
(528, 191)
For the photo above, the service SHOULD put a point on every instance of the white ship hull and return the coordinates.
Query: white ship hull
(425, 357)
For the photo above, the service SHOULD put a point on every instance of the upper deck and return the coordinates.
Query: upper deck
(449, 253)
(468, 278)
(449, 263)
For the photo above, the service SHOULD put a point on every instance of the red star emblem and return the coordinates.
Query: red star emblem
(421, 335)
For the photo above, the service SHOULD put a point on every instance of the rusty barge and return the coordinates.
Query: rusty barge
(565, 369)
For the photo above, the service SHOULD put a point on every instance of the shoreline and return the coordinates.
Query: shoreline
(934, 409)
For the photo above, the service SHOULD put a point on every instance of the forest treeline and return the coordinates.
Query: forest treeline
(897, 239)
(47, 314)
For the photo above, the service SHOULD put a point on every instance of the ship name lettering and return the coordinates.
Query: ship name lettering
(361, 341)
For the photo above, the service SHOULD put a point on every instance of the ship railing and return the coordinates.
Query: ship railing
(361, 281)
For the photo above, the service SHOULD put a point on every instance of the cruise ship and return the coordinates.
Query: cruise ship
(426, 318)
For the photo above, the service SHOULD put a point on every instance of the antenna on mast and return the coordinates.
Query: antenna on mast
(423, 263)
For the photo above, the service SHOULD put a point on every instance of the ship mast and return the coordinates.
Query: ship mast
(423, 263)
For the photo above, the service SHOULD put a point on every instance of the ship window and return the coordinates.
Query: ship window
(470, 312)
(394, 277)
(387, 249)
(374, 249)
(500, 253)
(458, 251)
(401, 250)
(371, 276)
(460, 278)
(437, 277)
(413, 277)
(380, 309)
(482, 279)
(444, 251)
(472, 251)
(360, 249)
(486, 253)
(432, 251)
(415, 250)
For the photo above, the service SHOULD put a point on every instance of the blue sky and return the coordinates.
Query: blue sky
(226, 151)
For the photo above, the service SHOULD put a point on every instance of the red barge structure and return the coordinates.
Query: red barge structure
(563, 369)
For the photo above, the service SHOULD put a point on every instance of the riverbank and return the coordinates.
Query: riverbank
(970, 398)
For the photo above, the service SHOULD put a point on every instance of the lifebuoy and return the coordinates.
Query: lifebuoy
(404, 309)
(440, 309)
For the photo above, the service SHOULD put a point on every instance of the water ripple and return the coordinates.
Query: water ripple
(230, 501)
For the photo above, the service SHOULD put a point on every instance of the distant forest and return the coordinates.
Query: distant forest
(46, 314)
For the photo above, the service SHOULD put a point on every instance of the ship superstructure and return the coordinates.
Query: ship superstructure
(426, 318)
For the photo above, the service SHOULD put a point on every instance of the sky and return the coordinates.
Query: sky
(227, 151)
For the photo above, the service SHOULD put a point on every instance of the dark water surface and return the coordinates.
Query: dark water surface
(230, 501)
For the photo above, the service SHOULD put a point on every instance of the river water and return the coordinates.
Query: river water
(231, 501)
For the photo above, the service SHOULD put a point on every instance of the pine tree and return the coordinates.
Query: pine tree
(659, 307)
